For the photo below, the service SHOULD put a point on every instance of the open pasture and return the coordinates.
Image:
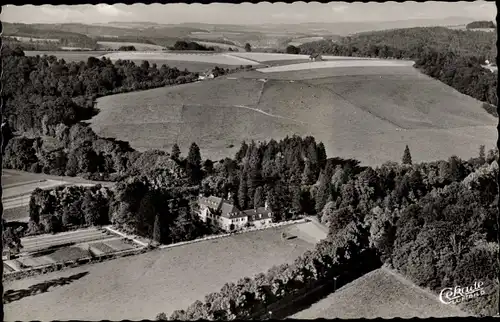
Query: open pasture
(31, 39)
(211, 58)
(153, 281)
(68, 56)
(115, 45)
(369, 113)
(379, 294)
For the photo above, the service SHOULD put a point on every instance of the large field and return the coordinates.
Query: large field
(362, 109)
(379, 294)
(141, 286)
(115, 45)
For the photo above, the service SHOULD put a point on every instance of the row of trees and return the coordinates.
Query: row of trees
(190, 45)
(451, 56)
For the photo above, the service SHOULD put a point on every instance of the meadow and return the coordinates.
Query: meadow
(153, 281)
(115, 45)
(369, 113)
(379, 294)
(336, 63)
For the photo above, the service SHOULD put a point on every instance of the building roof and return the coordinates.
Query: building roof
(266, 213)
(225, 207)
(211, 202)
(229, 210)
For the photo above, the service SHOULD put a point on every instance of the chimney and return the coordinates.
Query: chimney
(266, 205)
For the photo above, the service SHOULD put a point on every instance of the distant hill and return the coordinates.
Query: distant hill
(481, 25)
(410, 39)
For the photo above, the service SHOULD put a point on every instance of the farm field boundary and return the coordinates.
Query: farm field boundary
(276, 225)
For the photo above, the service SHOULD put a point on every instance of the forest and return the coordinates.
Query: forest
(453, 57)
(433, 222)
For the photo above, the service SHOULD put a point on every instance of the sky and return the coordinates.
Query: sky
(246, 13)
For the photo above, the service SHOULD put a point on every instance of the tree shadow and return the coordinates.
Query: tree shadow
(16, 295)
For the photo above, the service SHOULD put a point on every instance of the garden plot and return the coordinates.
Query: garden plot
(154, 280)
(41, 242)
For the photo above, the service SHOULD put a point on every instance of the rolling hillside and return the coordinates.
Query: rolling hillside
(379, 294)
(369, 113)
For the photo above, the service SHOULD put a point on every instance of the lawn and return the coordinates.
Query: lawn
(141, 286)
(369, 113)
(379, 294)
(211, 58)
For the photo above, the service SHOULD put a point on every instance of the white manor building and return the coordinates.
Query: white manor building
(229, 217)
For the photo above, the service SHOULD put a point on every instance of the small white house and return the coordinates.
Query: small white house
(206, 75)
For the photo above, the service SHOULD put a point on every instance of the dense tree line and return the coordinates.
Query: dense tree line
(451, 56)
(127, 48)
(287, 174)
(59, 209)
(190, 45)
